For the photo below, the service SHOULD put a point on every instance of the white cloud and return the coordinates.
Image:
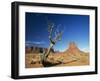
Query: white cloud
(34, 43)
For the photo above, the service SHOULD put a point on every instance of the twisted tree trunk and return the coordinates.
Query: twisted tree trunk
(58, 35)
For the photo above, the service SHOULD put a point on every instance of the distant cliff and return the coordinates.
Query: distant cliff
(33, 49)
(72, 49)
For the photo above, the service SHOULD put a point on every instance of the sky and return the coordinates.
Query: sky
(75, 29)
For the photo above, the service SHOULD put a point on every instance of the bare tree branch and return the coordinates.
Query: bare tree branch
(57, 37)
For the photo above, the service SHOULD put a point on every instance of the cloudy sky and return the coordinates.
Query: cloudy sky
(75, 27)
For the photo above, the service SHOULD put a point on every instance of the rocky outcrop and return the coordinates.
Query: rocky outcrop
(73, 49)
(36, 50)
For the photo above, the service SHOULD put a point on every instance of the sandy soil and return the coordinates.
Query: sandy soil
(34, 61)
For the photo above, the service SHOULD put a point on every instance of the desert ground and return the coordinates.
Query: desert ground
(64, 59)
(72, 56)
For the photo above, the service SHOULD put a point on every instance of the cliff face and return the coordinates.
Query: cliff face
(73, 49)
(36, 50)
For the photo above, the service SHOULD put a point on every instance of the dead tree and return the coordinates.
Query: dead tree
(54, 36)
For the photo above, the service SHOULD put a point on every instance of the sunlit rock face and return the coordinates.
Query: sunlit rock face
(73, 49)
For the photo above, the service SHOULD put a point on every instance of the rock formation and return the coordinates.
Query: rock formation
(73, 49)
(36, 50)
